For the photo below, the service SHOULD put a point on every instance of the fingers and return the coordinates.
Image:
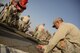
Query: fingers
(40, 48)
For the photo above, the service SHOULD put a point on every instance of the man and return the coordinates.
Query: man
(4, 13)
(41, 34)
(38, 29)
(66, 38)
(13, 15)
(24, 23)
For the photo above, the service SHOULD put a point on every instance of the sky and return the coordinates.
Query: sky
(45, 11)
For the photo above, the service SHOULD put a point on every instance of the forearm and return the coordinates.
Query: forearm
(52, 43)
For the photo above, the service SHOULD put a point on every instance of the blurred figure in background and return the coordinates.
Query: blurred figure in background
(41, 33)
(24, 23)
(4, 13)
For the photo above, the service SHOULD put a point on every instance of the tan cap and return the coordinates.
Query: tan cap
(57, 19)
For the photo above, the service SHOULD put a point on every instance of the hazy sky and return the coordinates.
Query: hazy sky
(45, 11)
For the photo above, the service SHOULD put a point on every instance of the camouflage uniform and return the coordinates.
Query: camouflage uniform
(70, 35)
(5, 14)
(41, 34)
(13, 16)
(24, 23)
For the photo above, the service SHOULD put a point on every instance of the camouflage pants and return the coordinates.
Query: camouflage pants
(69, 48)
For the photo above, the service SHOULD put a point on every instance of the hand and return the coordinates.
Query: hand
(40, 48)
(62, 44)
